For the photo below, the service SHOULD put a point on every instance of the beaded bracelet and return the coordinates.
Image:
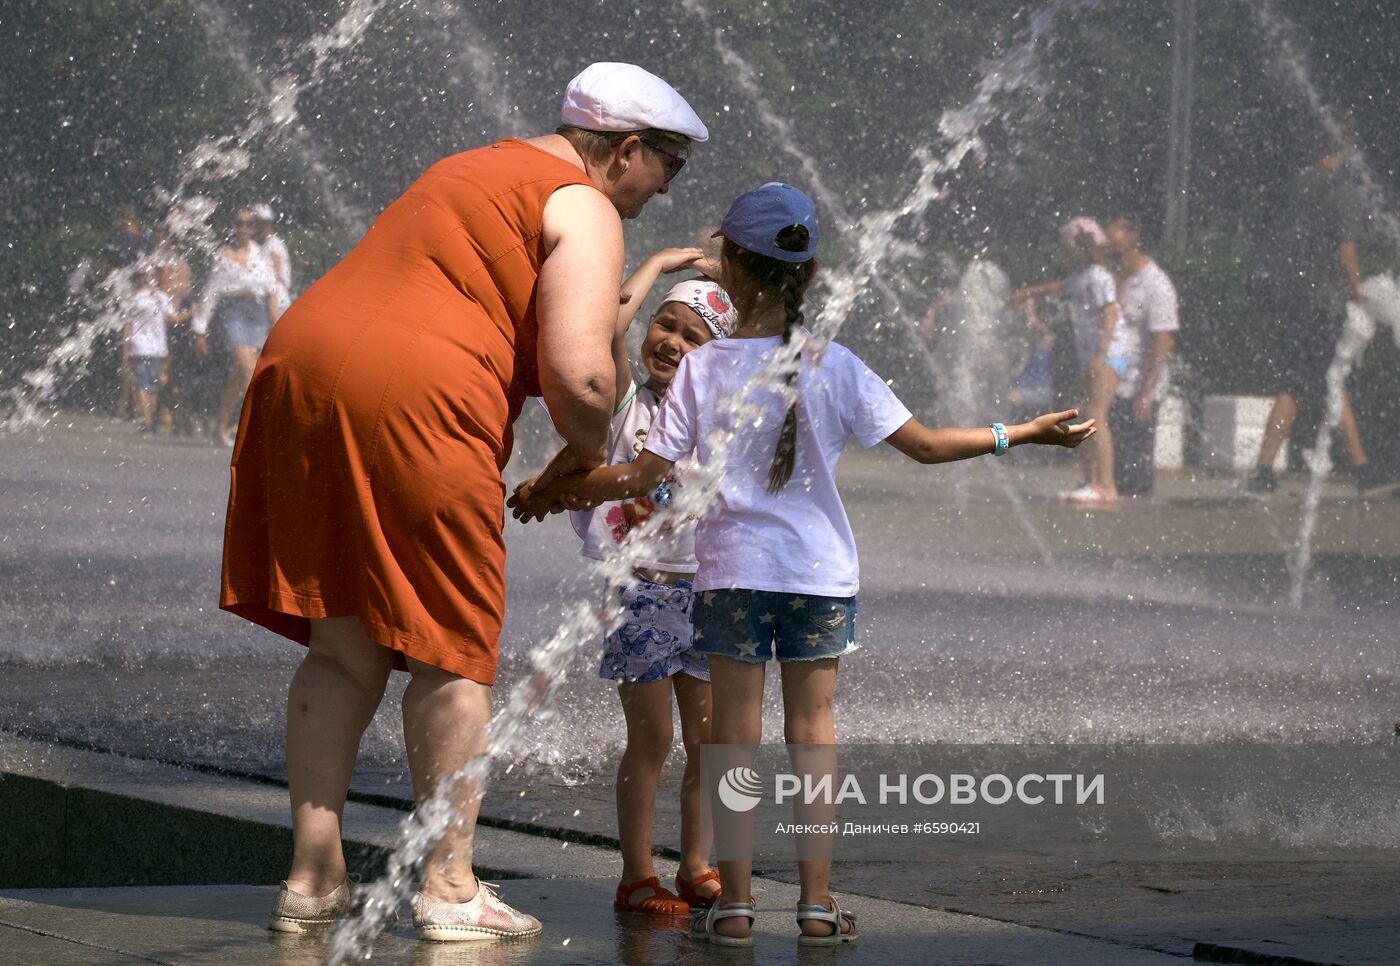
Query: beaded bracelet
(1002, 437)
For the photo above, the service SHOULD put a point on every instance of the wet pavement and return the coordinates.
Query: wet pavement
(194, 926)
(988, 613)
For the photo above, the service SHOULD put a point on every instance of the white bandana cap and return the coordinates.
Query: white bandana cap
(708, 301)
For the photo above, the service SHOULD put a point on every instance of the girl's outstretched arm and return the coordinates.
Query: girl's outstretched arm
(581, 491)
(926, 445)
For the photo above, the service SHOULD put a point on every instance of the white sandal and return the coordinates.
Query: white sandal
(702, 923)
(835, 917)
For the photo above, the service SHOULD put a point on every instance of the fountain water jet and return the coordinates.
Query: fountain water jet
(490, 86)
(1288, 60)
(948, 379)
(281, 97)
(187, 213)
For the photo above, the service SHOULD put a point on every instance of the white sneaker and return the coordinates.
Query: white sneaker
(485, 916)
(296, 913)
(1086, 493)
(1091, 497)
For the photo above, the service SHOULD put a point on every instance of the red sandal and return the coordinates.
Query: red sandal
(660, 903)
(697, 900)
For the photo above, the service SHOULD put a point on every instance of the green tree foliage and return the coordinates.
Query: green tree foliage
(102, 99)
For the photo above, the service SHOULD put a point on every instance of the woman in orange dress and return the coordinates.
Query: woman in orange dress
(366, 503)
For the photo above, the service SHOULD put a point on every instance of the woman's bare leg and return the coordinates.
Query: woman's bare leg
(736, 689)
(1103, 381)
(146, 408)
(242, 360)
(332, 700)
(693, 699)
(444, 726)
(646, 706)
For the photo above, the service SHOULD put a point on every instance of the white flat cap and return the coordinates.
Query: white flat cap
(623, 97)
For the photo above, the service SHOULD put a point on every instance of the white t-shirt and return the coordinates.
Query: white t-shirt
(1088, 291)
(608, 525)
(798, 540)
(1148, 303)
(147, 311)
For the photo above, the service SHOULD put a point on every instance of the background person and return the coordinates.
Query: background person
(240, 296)
(127, 244)
(1101, 348)
(365, 511)
(175, 278)
(1316, 273)
(1148, 302)
(146, 314)
(276, 251)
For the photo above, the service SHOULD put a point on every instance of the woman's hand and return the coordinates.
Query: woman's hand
(567, 461)
(1048, 430)
(530, 501)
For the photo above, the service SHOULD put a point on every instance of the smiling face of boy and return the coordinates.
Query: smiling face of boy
(675, 329)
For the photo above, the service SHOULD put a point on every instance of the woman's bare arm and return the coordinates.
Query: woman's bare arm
(576, 303)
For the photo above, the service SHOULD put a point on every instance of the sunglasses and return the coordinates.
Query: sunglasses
(245, 221)
(673, 162)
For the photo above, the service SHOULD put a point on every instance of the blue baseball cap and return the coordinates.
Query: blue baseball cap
(756, 218)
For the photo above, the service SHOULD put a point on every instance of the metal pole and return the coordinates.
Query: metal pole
(1174, 120)
(1179, 130)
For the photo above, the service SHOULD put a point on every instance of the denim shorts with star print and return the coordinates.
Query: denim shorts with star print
(750, 625)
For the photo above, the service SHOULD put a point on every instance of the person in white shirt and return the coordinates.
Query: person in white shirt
(145, 314)
(777, 560)
(241, 295)
(276, 251)
(1102, 346)
(649, 654)
(1148, 303)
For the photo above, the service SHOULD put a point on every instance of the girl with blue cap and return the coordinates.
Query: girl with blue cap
(778, 572)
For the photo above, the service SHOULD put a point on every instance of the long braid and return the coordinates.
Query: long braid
(793, 284)
(767, 277)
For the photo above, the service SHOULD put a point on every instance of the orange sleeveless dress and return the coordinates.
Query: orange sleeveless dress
(366, 478)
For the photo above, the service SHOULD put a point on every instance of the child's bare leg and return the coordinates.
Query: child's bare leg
(736, 689)
(330, 703)
(693, 699)
(647, 707)
(1102, 384)
(808, 690)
